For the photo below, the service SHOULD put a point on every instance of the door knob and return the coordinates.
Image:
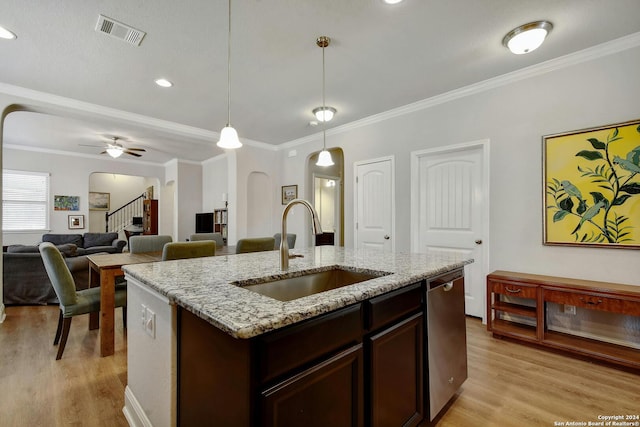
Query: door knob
(386, 237)
(478, 242)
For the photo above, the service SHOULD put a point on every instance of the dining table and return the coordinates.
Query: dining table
(104, 269)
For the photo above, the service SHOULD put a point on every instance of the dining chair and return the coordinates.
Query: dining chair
(257, 244)
(291, 240)
(182, 250)
(216, 237)
(72, 302)
(148, 243)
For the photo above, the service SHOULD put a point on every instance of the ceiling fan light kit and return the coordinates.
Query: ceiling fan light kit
(528, 37)
(115, 149)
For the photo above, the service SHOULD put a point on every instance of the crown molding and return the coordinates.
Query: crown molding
(595, 52)
(206, 136)
(83, 155)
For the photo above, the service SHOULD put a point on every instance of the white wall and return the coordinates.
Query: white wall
(214, 182)
(70, 176)
(250, 160)
(514, 117)
(187, 181)
(259, 205)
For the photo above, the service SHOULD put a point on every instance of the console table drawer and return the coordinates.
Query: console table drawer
(513, 289)
(594, 302)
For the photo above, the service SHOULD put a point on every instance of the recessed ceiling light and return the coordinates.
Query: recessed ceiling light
(163, 83)
(392, 1)
(6, 34)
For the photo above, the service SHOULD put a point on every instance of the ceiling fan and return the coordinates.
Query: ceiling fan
(116, 149)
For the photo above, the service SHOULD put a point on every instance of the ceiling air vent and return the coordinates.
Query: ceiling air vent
(119, 30)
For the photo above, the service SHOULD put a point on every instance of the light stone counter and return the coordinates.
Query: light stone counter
(204, 285)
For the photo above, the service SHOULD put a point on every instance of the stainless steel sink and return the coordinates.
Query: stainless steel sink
(310, 284)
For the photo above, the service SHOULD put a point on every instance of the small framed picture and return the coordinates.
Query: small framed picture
(289, 192)
(76, 221)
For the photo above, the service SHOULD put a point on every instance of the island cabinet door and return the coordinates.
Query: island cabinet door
(396, 368)
(327, 394)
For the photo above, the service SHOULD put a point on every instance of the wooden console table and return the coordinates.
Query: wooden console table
(532, 292)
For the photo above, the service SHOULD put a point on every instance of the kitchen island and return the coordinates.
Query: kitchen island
(201, 346)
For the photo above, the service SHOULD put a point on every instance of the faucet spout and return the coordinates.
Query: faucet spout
(284, 244)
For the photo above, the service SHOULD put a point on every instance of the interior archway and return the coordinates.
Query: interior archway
(328, 201)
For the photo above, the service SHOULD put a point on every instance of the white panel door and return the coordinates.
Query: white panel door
(374, 205)
(450, 213)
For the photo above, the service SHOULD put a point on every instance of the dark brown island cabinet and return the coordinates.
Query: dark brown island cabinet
(363, 365)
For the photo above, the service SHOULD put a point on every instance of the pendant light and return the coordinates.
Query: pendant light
(324, 158)
(228, 135)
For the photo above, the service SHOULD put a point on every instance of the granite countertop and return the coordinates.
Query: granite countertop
(204, 285)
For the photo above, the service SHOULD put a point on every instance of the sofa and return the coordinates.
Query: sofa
(88, 243)
(24, 278)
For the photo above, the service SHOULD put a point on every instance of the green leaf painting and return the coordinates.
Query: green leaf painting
(592, 187)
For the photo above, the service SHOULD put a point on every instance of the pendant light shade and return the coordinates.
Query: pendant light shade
(228, 135)
(324, 158)
(229, 138)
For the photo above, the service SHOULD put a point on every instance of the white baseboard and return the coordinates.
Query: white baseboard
(3, 315)
(133, 412)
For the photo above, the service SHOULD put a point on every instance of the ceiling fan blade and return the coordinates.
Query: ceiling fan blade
(132, 153)
(104, 152)
(136, 149)
(87, 145)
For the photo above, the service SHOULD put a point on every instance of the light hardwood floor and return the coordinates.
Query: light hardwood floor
(509, 384)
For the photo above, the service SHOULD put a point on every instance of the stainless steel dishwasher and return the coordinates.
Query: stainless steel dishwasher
(446, 338)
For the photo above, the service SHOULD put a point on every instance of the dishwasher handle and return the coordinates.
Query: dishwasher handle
(445, 286)
(446, 280)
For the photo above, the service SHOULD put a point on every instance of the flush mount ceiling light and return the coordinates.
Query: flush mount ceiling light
(528, 37)
(163, 83)
(6, 34)
(392, 1)
(228, 135)
(324, 158)
(324, 114)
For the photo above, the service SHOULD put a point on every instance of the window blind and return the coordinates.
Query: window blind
(25, 201)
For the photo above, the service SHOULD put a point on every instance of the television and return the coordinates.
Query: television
(136, 220)
(204, 222)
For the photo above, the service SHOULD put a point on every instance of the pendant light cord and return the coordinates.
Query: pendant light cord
(324, 106)
(229, 69)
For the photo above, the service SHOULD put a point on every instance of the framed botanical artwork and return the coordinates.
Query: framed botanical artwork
(98, 201)
(592, 187)
(66, 203)
(76, 221)
(289, 192)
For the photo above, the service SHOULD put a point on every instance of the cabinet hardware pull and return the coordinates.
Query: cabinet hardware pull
(513, 291)
(591, 301)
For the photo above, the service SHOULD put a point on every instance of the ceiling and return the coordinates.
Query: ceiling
(381, 57)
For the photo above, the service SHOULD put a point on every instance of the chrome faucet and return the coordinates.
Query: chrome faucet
(316, 228)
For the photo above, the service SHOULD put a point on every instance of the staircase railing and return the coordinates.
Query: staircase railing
(123, 216)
